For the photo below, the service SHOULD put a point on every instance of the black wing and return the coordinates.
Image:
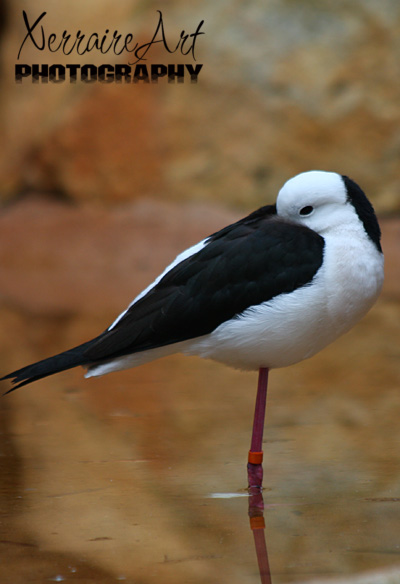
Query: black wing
(243, 265)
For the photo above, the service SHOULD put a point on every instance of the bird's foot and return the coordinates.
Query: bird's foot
(254, 475)
(255, 469)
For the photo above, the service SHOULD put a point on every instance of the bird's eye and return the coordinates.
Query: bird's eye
(306, 210)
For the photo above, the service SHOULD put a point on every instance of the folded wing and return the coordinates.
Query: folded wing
(243, 265)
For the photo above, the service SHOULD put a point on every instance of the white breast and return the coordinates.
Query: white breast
(292, 327)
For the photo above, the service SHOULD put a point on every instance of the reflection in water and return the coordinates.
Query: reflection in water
(257, 524)
(108, 478)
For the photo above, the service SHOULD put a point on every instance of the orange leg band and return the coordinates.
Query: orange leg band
(255, 457)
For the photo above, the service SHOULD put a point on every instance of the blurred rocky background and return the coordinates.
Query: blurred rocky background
(286, 86)
(101, 185)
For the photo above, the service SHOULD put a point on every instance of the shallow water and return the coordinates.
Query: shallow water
(140, 476)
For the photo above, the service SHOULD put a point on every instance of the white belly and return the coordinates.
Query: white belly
(290, 327)
(295, 326)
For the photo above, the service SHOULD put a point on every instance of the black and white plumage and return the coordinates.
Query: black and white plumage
(267, 291)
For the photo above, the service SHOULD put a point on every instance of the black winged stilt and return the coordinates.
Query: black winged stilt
(267, 291)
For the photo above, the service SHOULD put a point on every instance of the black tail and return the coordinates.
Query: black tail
(49, 366)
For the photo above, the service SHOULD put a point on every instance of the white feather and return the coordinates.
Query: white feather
(182, 256)
(293, 326)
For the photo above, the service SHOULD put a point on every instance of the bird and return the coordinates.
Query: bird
(268, 291)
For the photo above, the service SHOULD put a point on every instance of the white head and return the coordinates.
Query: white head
(325, 202)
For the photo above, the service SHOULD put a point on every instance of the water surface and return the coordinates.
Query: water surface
(140, 476)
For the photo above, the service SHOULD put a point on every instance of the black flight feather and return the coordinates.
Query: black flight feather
(61, 362)
(242, 265)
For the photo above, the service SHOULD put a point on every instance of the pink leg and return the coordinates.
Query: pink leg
(254, 466)
(261, 551)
